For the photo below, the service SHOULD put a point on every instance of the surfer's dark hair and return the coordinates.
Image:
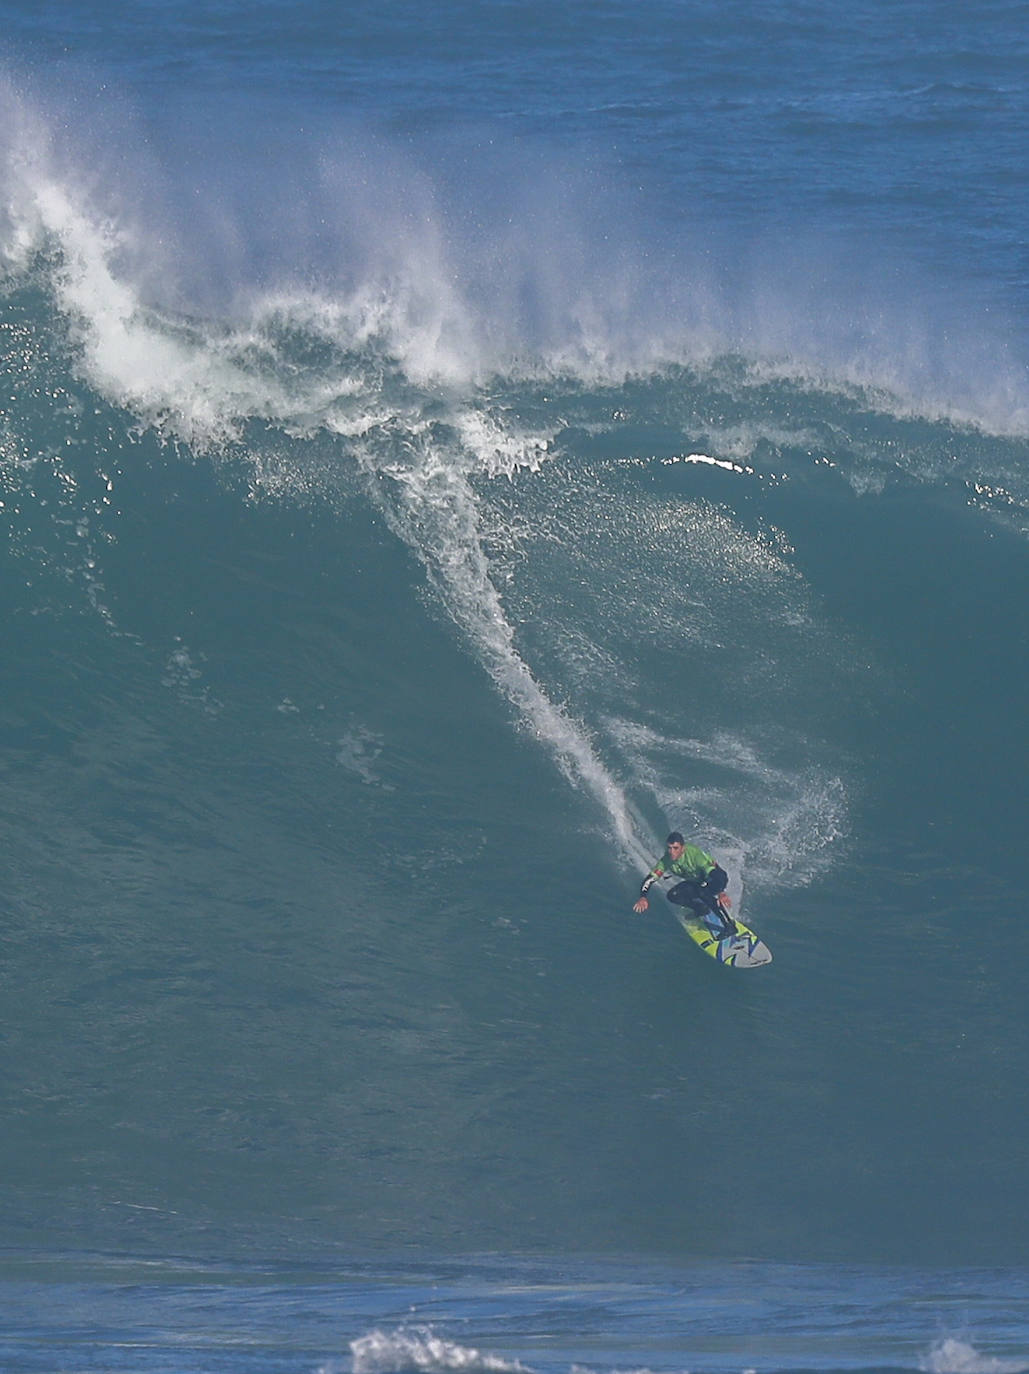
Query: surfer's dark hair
(675, 838)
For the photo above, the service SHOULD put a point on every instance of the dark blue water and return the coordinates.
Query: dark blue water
(441, 450)
(491, 1317)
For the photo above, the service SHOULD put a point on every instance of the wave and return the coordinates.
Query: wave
(526, 500)
(518, 465)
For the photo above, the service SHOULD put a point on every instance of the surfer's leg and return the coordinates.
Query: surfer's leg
(687, 893)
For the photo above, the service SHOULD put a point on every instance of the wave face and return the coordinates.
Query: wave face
(389, 566)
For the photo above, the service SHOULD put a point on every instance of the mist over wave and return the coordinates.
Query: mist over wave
(187, 257)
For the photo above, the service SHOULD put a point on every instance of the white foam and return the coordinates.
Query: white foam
(953, 1356)
(792, 822)
(418, 1350)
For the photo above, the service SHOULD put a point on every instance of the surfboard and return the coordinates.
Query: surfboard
(742, 950)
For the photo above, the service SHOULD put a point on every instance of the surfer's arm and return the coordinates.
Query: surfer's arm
(647, 884)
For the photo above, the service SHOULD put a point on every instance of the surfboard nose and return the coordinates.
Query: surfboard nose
(744, 951)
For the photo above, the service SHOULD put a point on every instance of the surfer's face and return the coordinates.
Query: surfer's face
(675, 849)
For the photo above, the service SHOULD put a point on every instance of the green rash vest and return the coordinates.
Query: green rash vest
(692, 863)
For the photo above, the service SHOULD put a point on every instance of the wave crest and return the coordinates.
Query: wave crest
(953, 1356)
(418, 1350)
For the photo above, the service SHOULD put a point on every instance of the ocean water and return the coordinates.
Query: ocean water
(443, 448)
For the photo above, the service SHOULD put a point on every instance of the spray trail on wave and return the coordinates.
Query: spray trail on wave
(437, 514)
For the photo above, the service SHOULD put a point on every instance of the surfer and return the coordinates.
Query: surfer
(702, 881)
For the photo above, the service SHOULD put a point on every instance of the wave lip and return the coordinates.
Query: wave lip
(418, 1350)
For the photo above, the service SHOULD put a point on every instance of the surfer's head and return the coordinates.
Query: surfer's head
(676, 839)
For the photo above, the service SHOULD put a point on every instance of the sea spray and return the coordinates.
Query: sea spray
(421, 1350)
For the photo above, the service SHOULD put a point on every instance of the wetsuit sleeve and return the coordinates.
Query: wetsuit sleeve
(648, 882)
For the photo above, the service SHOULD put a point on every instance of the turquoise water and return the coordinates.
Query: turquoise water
(439, 453)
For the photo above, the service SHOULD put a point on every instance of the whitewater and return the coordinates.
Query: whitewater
(439, 454)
